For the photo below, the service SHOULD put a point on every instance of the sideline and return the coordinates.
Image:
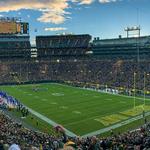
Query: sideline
(49, 121)
(115, 126)
(101, 91)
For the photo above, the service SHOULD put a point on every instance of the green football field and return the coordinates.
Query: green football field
(78, 110)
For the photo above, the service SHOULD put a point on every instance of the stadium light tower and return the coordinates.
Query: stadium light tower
(134, 31)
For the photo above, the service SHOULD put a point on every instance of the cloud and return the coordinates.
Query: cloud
(55, 29)
(83, 2)
(28, 16)
(56, 17)
(107, 1)
(87, 2)
(53, 11)
(19, 13)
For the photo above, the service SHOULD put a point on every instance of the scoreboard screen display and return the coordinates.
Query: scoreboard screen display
(25, 28)
(8, 27)
(12, 27)
(19, 28)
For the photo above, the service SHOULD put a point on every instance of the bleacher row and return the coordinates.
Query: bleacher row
(111, 73)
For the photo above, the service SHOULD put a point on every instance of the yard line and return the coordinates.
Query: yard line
(49, 121)
(115, 126)
(76, 112)
(44, 100)
(63, 107)
(54, 103)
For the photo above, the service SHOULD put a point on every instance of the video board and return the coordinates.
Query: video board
(25, 28)
(8, 27)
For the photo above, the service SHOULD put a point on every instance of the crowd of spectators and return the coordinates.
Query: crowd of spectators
(114, 73)
(14, 133)
(13, 136)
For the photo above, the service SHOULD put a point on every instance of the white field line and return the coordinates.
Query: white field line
(115, 126)
(49, 121)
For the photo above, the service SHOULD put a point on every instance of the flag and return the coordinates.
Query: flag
(69, 145)
(1, 101)
(9, 101)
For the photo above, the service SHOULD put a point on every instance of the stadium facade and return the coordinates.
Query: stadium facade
(14, 39)
(14, 46)
(64, 45)
(122, 48)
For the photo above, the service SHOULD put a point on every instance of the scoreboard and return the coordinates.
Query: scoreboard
(8, 27)
(13, 27)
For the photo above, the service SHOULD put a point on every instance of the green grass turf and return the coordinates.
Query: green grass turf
(76, 109)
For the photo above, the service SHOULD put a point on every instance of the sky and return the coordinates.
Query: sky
(99, 18)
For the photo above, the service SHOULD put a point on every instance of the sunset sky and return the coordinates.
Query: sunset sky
(100, 18)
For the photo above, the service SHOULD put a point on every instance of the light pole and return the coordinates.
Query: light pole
(134, 88)
(144, 87)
